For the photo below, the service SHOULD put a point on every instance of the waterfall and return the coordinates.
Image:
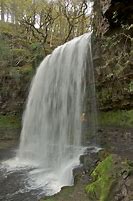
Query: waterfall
(51, 132)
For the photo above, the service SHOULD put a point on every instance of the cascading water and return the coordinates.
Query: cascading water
(51, 133)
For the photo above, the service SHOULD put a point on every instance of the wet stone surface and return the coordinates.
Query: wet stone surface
(117, 140)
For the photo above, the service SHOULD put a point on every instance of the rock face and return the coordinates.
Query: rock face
(113, 29)
(117, 12)
(112, 14)
(112, 180)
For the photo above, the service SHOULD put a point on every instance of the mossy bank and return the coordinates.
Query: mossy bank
(112, 180)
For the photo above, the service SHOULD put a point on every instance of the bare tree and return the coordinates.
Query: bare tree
(2, 7)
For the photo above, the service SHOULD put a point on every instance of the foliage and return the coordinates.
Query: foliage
(14, 83)
(32, 29)
(117, 118)
(114, 74)
(45, 20)
(26, 70)
(14, 49)
(20, 56)
(5, 54)
(116, 42)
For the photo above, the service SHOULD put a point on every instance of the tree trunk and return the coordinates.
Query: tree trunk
(2, 11)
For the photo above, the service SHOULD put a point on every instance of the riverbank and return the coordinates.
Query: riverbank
(116, 138)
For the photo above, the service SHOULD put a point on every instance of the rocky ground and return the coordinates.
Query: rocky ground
(117, 143)
(118, 140)
(114, 161)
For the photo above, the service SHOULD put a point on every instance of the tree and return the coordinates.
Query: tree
(2, 9)
(45, 24)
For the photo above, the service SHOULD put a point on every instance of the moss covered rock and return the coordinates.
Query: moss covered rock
(109, 179)
(103, 180)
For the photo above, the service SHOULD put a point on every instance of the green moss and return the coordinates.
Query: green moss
(117, 118)
(10, 121)
(103, 180)
(108, 176)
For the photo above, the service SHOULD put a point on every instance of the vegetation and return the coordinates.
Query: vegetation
(32, 29)
(116, 118)
(114, 75)
(109, 179)
(103, 180)
(29, 30)
(9, 121)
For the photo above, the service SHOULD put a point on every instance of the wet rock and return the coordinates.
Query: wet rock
(9, 133)
(117, 12)
(125, 174)
(112, 180)
(89, 160)
(113, 28)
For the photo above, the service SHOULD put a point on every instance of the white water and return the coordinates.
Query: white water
(51, 133)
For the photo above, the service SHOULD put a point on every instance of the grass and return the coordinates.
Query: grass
(116, 118)
(10, 121)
